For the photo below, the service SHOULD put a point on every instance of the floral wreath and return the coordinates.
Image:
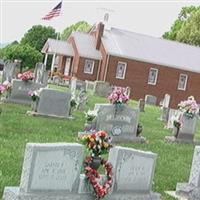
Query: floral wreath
(93, 177)
(98, 143)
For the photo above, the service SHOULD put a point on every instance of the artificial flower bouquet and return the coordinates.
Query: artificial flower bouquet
(26, 76)
(5, 87)
(189, 107)
(118, 96)
(97, 143)
(34, 94)
(90, 115)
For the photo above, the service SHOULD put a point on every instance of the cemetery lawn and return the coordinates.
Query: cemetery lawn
(17, 129)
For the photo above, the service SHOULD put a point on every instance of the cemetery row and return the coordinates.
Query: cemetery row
(46, 167)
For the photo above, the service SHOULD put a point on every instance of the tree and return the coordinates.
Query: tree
(29, 55)
(79, 26)
(37, 36)
(190, 31)
(184, 15)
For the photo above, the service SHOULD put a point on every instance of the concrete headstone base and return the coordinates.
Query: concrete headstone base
(13, 193)
(172, 139)
(32, 113)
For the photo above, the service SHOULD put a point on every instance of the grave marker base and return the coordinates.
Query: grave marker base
(13, 193)
(32, 113)
(172, 139)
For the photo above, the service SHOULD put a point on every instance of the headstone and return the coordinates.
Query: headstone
(98, 105)
(39, 72)
(121, 124)
(54, 103)
(102, 89)
(8, 71)
(50, 171)
(141, 105)
(45, 78)
(166, 101)
(133, 173)
(165, 114)
(150, 99)
(90, 85)
(82, 100)
(191, 190)
(171, 118)
(20, 89)
(76, 84)
(188, 129)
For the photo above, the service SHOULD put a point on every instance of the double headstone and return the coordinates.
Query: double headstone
(52, 171)
(53, 103)
(20, 90)
(121, 123)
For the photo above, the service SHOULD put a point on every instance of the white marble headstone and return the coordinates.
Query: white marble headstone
(51, 167)
(195, 170)
(133, 169)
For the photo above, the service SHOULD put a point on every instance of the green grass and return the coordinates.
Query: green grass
(17, 129)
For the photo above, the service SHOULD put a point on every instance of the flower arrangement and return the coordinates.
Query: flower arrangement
(98, 143)
(189, 107)
(93, 177)
(34, 95)
(2, 89)
(26, 76)
(118, 96)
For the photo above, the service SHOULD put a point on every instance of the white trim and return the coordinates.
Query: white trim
(125, 65)
(92, 66)
(106, 70)
(155, 78)
(185, 85)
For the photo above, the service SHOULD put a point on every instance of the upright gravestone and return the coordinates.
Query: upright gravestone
(102, 89)
(53, 103)
(120, 123)
(190, 190)
(76, 84)
(90, 85)
(172, 114)
(8, 71)
(187, 130)
(39, 72)
(165, 108)
(133, 174)
(20, 89)
(50, 171)
(82, 100)
(150, 100)
(141, 105)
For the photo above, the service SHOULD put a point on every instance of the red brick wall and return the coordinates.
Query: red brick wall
(76, 57)
(80, 73)
(103, 63)
(167, 82)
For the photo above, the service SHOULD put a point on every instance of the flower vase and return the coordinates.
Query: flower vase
(118, 107)
(96, 162)
(34, 105)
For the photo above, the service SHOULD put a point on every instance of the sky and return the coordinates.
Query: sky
(146, 17)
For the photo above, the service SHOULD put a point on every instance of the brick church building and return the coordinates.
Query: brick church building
(148, 65)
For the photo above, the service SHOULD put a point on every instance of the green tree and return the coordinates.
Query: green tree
(29, 55)
(190, 31)
(79, 26)
(184, 15)
(37, 36)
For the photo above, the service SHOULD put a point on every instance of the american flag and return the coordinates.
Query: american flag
(55, 12)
